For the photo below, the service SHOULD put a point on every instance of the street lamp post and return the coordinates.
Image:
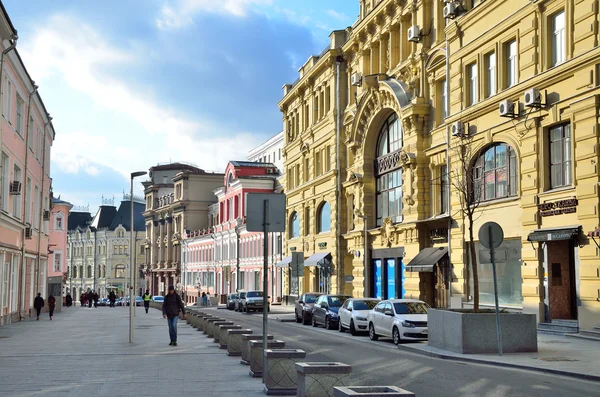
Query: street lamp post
(237, 255)
(131, 252)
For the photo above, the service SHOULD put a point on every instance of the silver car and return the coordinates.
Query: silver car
(253, 300)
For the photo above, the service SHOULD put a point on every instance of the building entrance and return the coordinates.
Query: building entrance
(560, 269)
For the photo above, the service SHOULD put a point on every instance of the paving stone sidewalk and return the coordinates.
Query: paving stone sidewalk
(86, 352)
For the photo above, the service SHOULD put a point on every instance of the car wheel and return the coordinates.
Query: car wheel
(305, 320)
(372, 334)
(327, 323)
(352, 328)
(340, 326)
(396, 336)
(314, 321)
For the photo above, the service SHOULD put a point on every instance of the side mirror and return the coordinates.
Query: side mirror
(300, 302)
(389, 313)
(349, 309)
(324, 305)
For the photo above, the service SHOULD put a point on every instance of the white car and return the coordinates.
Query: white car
(158, 298)
(353, 314)
(400, 319)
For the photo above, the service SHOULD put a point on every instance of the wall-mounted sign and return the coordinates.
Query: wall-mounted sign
(568, 206)
(438, 234)
(322, 245)
(348, 279)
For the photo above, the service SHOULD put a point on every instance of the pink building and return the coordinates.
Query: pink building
(26, 136)
(213, 257)
(57, 248)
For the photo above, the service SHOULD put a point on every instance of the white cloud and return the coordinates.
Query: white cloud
(159, 133)
(179, 13)
(337, 15)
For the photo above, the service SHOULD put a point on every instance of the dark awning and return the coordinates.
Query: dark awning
(426, 259)
(284, 262)
(319, 259)
(554, 233)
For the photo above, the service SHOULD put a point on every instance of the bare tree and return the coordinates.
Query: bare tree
(469, 194)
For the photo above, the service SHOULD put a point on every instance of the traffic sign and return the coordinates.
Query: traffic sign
(491, 234)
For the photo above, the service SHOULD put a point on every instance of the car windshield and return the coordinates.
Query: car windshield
(254, 294)
(233, 296)
(242, 295)
(410, 308)
(364, 305)
(159, 298)
(337, 301)
(310, 298)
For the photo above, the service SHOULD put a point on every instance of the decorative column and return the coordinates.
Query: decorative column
(384, 63)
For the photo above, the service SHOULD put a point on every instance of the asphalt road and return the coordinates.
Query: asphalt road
(381, 363)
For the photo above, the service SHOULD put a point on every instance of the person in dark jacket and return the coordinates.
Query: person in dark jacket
(82, 299)
(90, 299)
(51, 305)
(96, 297)
(112, 298)
(171, 307)
(38, 303)
(69, 300)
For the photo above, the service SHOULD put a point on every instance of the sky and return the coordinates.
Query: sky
(134, 83)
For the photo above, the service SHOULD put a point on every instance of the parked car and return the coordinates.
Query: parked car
(158, 298)
(325, 310)
(400, 319)
(304, 307)
(139, 301)
(253, 300)
(353, 314)
(231, 301)
(237, 303)
(103, 302)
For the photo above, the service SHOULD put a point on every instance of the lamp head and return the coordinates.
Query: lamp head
(138, 173)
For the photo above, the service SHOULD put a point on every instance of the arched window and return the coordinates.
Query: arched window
(74, 275)
(294, 225)
(324, 218)
(89, 271)
(120, 271)
(388, 172)
(495, 173)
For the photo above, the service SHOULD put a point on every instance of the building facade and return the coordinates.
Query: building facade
(98, 254)
(57, 248)
(26, 136)
(443, 120)
(178, 197)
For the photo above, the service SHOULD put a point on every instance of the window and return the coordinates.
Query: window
(89, 271)
(511, 63)
(30, 133)
(495, 173)
(557, 39)
(59, 222)
(8, 107)
(388, 175)
(444, 189)
(16, 199)
(324, 218)
(28, 201)
(443, 100)
(36, 206)
(294, 225)
(4, 181)
(318, 164)
(307, 221)
(20, 113)
(57, 261)
(120, 271)
(473, 98)
(39, 146)
(560, 156)
(490, 78)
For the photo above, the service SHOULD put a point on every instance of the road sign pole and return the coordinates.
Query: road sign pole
(265, 285)
(493, 260)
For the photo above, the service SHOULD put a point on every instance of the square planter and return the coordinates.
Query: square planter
(257, 356)
(465, 332)
(234, 341)
(282, 378)
(215, 329)
(210, 329)
(246, 339)
(224, 336)
(317, 379)
(203, 321)
(371, 391)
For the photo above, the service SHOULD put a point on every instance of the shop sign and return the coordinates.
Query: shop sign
(438, 234)
(568, 206)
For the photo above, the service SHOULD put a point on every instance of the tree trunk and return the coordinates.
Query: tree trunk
(474, 266)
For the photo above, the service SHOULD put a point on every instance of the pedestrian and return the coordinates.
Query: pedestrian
(170, 308)
(51, 305)
(112, 298)
(69, 299)
(147, 298)
(38, 303)
(82, 299)
(208, 298)
(95, 297)
(90, 299)
(204, 299)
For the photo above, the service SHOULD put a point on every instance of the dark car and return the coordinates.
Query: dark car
(231, 301)
(237, 303)
(326, 309)
(304, 307)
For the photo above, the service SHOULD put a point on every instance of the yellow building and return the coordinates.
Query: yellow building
(517, 96)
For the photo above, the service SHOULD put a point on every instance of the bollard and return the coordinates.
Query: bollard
(234, 341)
(282, 378)
(215, 329)
(257, 357)
(317, 379)
(246, 346)
(208, 330)
(224, 335)
(371, 391)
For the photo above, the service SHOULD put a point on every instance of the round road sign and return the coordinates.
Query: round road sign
(491, 235)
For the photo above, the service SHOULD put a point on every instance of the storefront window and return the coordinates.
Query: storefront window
(508, 274)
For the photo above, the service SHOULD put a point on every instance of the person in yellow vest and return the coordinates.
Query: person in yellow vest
(147, 297)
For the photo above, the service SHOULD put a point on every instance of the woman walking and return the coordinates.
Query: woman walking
(51, 305)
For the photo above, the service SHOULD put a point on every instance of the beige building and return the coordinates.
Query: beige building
(517, 95)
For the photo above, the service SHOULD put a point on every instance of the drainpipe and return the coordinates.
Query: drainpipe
(24, 204)
(449, 187)
(13, 44)
(41, 209)
(340, 268)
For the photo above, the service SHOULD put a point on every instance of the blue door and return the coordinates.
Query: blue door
(378, 278)
(391, 278)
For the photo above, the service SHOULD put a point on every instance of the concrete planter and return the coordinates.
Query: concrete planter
(209, 329)
(317, 379)
(234, 341)
(215, 329)
(257, 356)
(282, 377)
(371, 391)
(466, 332)
(246, 339)
(202, 322)
(224, 336)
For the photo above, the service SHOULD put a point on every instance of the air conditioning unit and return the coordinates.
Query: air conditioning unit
(507, 108)
(414, 34)
(46, 215)
(458, 129)
(28, 232)
(532, 98)
(356, 79)
(15, 188)
(450, 11)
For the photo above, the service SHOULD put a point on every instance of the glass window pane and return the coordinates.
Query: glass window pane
(556, 175)
(501, 183)
(500, 156)
(384, 212)
(567, 148)
(513, 174)
(490, 190)
(556, 153)
(490, 162)
(567, 173)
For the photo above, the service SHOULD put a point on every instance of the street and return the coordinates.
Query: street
(381, 363)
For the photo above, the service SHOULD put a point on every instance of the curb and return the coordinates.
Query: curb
(285, 320)
(500, 364)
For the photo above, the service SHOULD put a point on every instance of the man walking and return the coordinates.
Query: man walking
(38, 303)
(171, 307)
(112, 298)
(147, 297)
(90, 298)
(95, 297)
(69, 300)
